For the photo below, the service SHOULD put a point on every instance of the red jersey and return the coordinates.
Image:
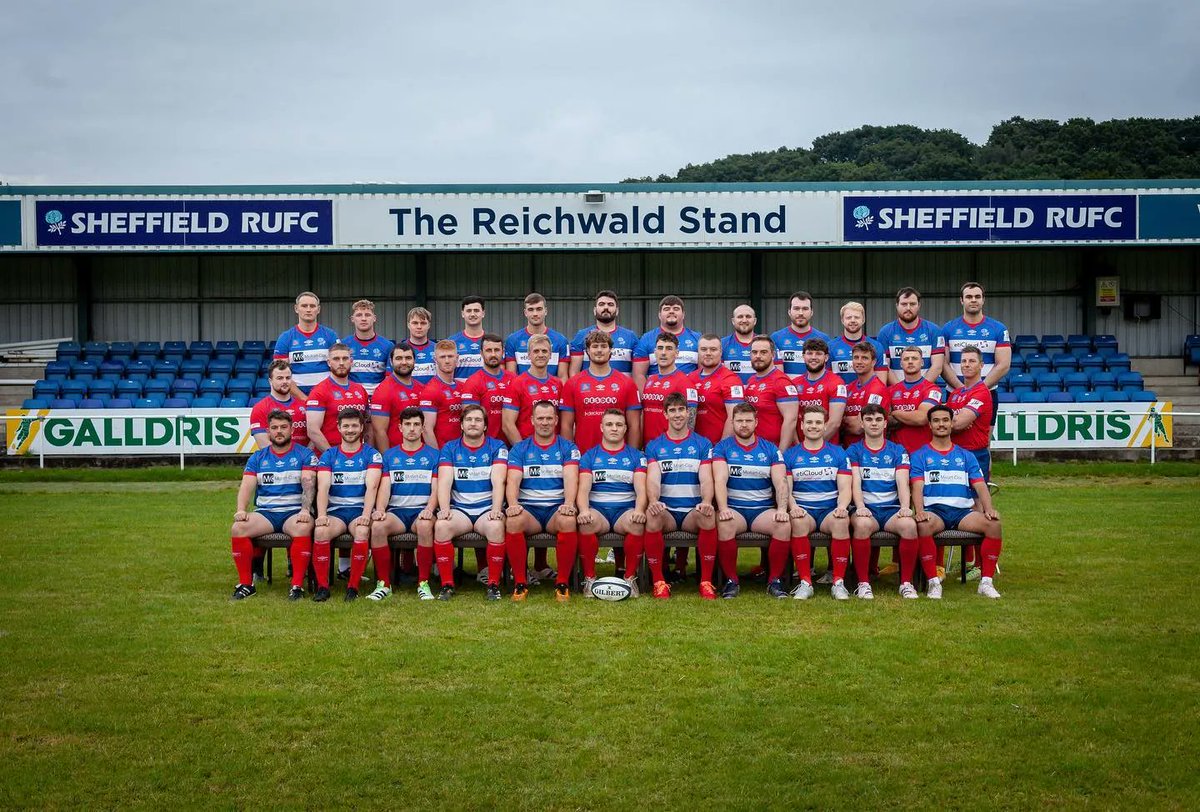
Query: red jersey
(490, 391)
(295, 410)
(908, 397)
(527, 390)
(390, 399)
(715, 391)
(765, 392)
(824, 392)
(654, 393)
(331, 398)
(442, 402)
(978, 399)
(588, 396)
(857, 396)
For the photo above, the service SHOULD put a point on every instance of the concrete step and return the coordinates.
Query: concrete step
(1158, 366)
(1170, 380)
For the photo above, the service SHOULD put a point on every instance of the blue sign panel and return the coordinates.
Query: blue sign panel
(10, 222)
(1169, 217)
(988, 218)
(184, 222)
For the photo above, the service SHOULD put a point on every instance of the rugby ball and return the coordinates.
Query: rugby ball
(611, 588)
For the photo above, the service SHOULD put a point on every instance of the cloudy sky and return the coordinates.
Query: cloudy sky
(254, 91)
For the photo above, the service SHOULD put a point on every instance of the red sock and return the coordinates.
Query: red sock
(243, 552)
(495, 563)
(706, 551)
(565, 550)
(991, 556)
(260, 553)
(875, 560)
(424, 562)
(619, 558)
(908, 559)
(802, 557)
(927, 549)
(320, 562)
(407, 561)
(634, 544)
(727, 554)
(655, 549)
(971, 554)
(514, 544)
(358, 562)
(941, 556)
(862, 559)
(589, 545)
(839, 551)
(777, 555)
(481, 559)
(540, 561)
(681, 557)
(383, 564)
(300, 554)
(443, 551)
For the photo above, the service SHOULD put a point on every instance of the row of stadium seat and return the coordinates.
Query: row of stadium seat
(140, 386)
(152, 350)
(1057, 343)
(1067, 362)
(1110, 396)
(1095, 381)
(1191, 350)
(115, 368)
(154, 401)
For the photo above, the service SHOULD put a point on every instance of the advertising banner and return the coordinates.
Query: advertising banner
(124, 432)
(1169, 217)
(1082, 426)
(10, 222)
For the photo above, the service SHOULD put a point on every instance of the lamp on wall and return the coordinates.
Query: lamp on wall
(593, 197)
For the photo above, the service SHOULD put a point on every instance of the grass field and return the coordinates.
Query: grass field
(131, 679)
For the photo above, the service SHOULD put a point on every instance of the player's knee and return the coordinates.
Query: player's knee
(993, 529)
(862, 527)
(906, 528)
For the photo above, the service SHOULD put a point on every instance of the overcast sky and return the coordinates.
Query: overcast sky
(157, 91)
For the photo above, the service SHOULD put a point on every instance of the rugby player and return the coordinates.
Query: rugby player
(718, 390)
(772, 394)
(667, 378)
(670, 320)
(530, 387)
(279, 374)
(987, 335)
(470, 496)
(751, 491)
(841, 349)
(971, 430)
(589, 394)
(282, 479)
(881, 498)
(735, 347)
(543, 482)
(330, 398)
(406, 500)
(679, 490)
(306, 346)
(467, 340)
(489, 386)
(789, 341)
(443, 398)
(347, 479)
(397, 392)
(516, 346)
(820, 492)
(606, 309)
(866, 388)
(612, 496)
(424, 367)
(910, 330)
(369, 350)
(818, 386)
(911, 399)
(947, 484)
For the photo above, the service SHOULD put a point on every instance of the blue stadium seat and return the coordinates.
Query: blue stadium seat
(1078, 341)
(1130, 381)
(1142, 396)
(247, 367)
(1018, 363)
(262, 388)
(68, 351)
(1049, 382)
(1037, 362)
(227, 348)
(1053, 343)
(73, 389)
(1033, 397)
(113, 366)
(220, 366)
(84, 370)
(1025, 344)
(1089, 397)
(206, 402)
(35, 403)
(166, 368)
(47, 389)
(254, 349)
(200, 349)
(191, 376)
(1104, 341)
(1092, 362)
(194, 365)
(1064, 362)
(147, 350)
(1104, 382)
(174, 348)
(121, 349)
(212, 386)
(265, 366)
(174, 359)
(1191, 349)
(101, 387)
(157, 398)
(1021, 382)
(1118, 363)
(163, 376)
(120, 403)
(129, 389)
(103, 399)
(91, 403)
(145, 403)
(156, 386)
(138, 367)
(239, 386)
(57, 371)
(178, 403)
(235, 402)
(1076, 379)
(1194, 355)
(62, 403)
(1116, 397)
(96, 348)
(1060, 397)
(185, 386)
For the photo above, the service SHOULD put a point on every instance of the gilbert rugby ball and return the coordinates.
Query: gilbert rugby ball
(611, 588)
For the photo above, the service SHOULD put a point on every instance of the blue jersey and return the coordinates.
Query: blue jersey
(841, 352)
(689, 350)
(516, 349)
(470, 355)
(542, 470)
(424, 367)
(612, 475)
(877, 471)
(348, 481)
(925, 336)
(624, 341)
(679, 463)
(471, 469)
(736, 356)
(789, 348)
(815, 475)
(277, 477)
(370, 360)
(308, 353)
(750, 467)
(948, 478)
(988, 335)
(412, 475)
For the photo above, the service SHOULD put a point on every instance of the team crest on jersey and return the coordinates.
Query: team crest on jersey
(827, 458)
(337, 395)
(762, 457)
(279, 463)
(472, 458)
(691, 449)
(585, 387)
(533, 389)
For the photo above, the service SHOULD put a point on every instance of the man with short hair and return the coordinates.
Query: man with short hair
(470, 496)
(612, 496)
(972, 427)
(306, 345)
(772, 394)
(424, 366)
(516, 352)
(534, 385)
(735, 347)
(592, 392)
(443, 398)
(347, 479)
(606, 309)
(330, 398)
(397, 392)
(489, 386)
(911, 399)
(790, 341)
(407, 497)
(279, 374)
(666, 379)
(670, 320)
(947, 485)
(988, 336)
(281, 478)
(679, 490)
(865, 389)
(369, 351)
(718, 390)
(751, 491)
(910, 330)
(542, 486)
(818, 386)
(467, 340)
(841, 349)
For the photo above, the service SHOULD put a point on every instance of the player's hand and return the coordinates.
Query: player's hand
(586, 517)
(495, 515)
(514, 510)
(797, 512)
(656, 508)
(322, 521)
(364, 520)
(378, 515)
(991, 515)
(425, 515)
(637, 517)
(443, 515)
(923, 516)
(781, 516)
(240, 516)
(905, 513)
(862, 513)
(725, 515)
(839, 513)
(566, 510)
(704, 509)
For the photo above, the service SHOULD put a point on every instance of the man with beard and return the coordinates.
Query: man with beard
(489, 386)
(279, 374)
(516, 346)
(424, 367)
(735, 347)
(443, 398)
(841, 349)
(624, 340)
(592, 392)
(670, 321)
(866, 388)
(789, 342)
(910, 330)
(368, 349)
(772, 394)
(718, 390)
(332, 396)
(397, 392)
(818, 386)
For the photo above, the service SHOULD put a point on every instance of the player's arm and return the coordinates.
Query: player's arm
(852, 424)
(640, 370)
(258, 428)
(324, 477)
(379, 426)
(445, 483)
(918, 498)
(952, 380)
(430, 421)
(1000, 367)
(430, 509)
(383, 494)
(790, 410)
(727, 429)
(316, 438)
(856, 492)
(508, 422)
(707, 485)
(308, 490)
(845, 492)
(964, 418)
(374, 475)
(779, 484)
(837, 410)
(583, 492)
(564, 369)
(566, 424)
(720, 472)
(692, 411)
(575, 366)
(512, 490)
(983, 498)
(510, 364)
(917, 417)
(499, 481)
(245, 494)
(633, 426)
(903, 491)
(572, 485)
(641, 499)
(938, 366)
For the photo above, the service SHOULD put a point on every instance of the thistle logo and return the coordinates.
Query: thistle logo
(863, 217)
(56, 222)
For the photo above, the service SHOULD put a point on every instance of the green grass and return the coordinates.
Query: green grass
(130, 679)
